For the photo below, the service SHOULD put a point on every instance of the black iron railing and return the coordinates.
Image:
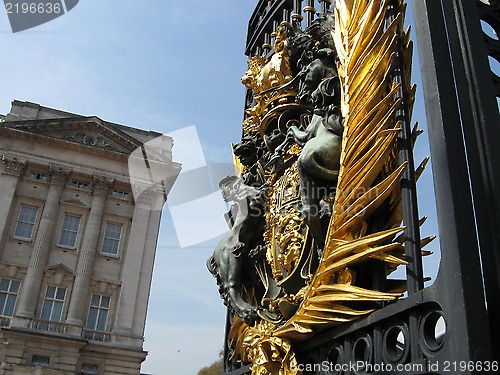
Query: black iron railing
(270, 13)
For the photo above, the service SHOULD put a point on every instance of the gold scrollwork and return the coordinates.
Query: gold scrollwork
(285, 228)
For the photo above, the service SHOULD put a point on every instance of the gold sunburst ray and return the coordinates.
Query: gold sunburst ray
(334, 308)
(343, 246)
(367, 50)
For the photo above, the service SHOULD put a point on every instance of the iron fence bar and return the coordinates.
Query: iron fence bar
(479, 116)
(286, 15)
(261, 21)
(325, 5)
(297, 10)
(408, 182)
(309, 11)
(460, 271)
(413, 251)
(490, 13)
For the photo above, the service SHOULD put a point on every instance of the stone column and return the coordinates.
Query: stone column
(131, 269)
(148, 259)
(30, 288)
(12, 171)
(79, 297)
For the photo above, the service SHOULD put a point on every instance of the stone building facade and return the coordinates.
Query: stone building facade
(77, 240)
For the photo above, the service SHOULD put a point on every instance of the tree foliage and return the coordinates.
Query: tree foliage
(215, 368)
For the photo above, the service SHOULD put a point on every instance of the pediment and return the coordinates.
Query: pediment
(87, 131)
(60, 268)
(75, 202)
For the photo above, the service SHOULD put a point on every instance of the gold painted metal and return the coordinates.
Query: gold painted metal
(285, 229)
(369, 176)
(367, 51)
(268, 354)
(263, 74)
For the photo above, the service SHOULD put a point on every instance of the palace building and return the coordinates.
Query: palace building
(80, 210)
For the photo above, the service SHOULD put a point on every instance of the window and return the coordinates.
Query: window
(38, 176)
(26, 222)
(120, 194)
(89, 369)
(69, 231)
(112, 235)
(53, 303)
(8, 296)
(80, 184)
(98, 313)
(40, 360)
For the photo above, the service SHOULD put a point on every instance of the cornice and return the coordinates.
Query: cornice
(11, 133)
(87, 131)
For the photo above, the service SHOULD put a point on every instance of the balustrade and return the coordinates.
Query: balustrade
(96, 335)
(47, 326)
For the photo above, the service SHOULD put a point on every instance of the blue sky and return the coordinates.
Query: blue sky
(160, 66)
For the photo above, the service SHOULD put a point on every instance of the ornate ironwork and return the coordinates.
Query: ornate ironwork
(424, 332)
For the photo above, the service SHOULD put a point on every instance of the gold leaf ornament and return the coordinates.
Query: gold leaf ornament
(366, 49)
(368, 183)
(268, 354)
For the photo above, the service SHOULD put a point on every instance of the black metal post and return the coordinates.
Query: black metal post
(460, 274)
(297, 12)
(414, 271)
(480, 120)
(408, 183)
(310, 11)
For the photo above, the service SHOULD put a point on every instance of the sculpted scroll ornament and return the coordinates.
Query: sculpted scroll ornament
(91, 139)
(324, 159)
(102, 184)
(58, 174)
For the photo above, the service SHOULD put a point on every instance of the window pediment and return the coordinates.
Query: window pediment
(75, 202)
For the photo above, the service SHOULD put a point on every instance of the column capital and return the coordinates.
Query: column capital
(58, 174)
(102, 184)
(13, 166)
